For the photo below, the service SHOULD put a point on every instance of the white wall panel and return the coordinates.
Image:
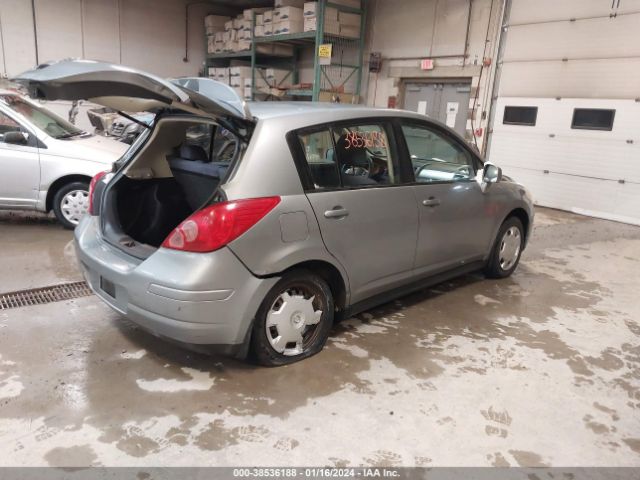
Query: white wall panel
(591, 38)
(614, 78)
(18, 42)
(101, 30)
(450, 27)
(533, 11)
(402, 32)
(59, 29)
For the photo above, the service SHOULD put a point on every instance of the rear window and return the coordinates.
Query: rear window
(593, 119)
(350, 156)
(520, 115)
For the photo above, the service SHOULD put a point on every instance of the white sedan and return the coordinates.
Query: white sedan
(46, 163)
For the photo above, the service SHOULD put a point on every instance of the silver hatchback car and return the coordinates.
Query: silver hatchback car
(249, 229)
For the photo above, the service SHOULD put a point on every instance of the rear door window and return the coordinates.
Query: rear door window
(364, 156)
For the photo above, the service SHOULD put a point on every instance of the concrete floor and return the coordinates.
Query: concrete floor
(539, 369)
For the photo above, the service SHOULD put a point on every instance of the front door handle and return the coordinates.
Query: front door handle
(431, 202)
(336, 212)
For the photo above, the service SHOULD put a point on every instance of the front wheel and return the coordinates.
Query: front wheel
(294, 319)
(70, 203)
(507, 249)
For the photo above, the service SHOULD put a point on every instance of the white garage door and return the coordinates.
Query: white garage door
(576, 65)
(575, 164)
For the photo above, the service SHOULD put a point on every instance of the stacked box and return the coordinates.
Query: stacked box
(277, 77)
(331, 20)
(214, 23)
(259, 31)
(349, 24)
(285, 27)
(268, 29)
(248, 13)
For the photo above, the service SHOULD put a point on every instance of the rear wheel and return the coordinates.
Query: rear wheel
(294, 320)
(70, 203)
(506, 251)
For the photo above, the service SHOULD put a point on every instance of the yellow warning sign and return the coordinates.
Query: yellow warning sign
(324, 50)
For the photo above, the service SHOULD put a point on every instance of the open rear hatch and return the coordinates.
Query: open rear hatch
(176, 167)
(127, 89)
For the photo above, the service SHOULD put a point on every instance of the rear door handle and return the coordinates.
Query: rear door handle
(431, 202)
(336, 212)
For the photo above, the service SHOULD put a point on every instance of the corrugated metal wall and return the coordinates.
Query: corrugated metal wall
(562, 55)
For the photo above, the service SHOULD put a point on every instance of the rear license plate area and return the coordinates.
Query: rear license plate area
(108, 287)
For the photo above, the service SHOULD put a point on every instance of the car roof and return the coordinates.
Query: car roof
(318, 112)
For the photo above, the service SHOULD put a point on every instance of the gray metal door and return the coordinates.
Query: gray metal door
(445, 102)
(374, 237)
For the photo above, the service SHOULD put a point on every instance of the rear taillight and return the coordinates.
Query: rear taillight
(214, 227)
(92, 187)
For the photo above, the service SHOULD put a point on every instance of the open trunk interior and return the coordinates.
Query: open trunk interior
(175, 173)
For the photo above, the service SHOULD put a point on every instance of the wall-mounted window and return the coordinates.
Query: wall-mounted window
(593, 119)
(520, 115)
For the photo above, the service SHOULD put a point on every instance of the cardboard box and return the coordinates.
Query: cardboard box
(264, 48)
(248, 91)
(228, 26)
(267, 16)
(310, 24)
(213, 30)
(268, 29)
(331, 27)
(289, 3)
(239, 71)
(219, 37)
(350, 31)
(259, 31)
(244, 45)
(237, 23)
(211, 44)
(310, 9)
(211, 72)
(287, 13)
(331, 13)
(260, 19)
(286, 27)
(351, 19)
(249, 12)
(277, 77)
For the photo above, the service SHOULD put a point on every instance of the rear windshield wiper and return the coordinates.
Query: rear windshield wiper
(134, 119)
(69, 135)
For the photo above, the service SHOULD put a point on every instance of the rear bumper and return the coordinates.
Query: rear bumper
(192, 298)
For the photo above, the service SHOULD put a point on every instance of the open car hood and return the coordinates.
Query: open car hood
(127, 89)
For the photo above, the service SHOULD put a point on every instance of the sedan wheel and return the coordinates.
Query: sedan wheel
(505, 255)
(510, 247)
(70, 203)
(75, 205)
(294, 319)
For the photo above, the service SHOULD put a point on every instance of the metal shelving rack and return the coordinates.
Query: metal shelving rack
(346, 63)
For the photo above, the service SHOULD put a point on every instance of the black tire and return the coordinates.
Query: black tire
(58, 198)
(307, 284)
(495, 268)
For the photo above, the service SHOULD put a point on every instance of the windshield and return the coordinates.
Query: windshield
(42, 118)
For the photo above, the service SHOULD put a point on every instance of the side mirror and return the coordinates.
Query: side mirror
(491, 174)
(16, 138)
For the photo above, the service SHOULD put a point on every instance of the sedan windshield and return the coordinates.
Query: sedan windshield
(42, 118)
